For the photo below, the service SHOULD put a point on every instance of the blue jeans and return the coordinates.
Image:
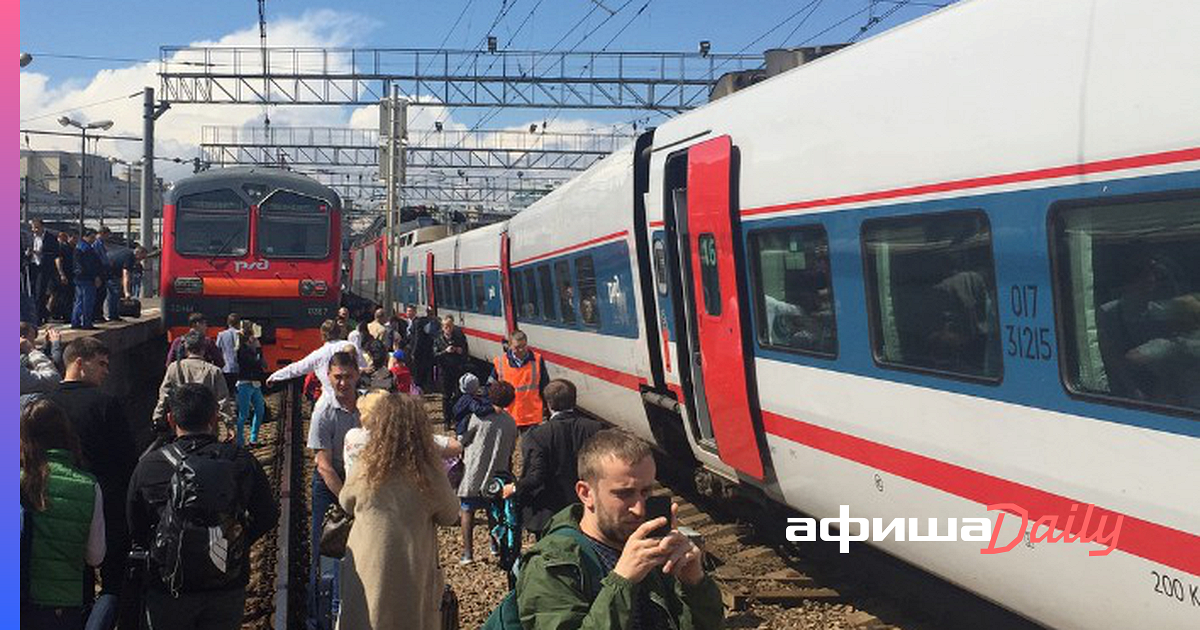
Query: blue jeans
(85, 304)
(113, 306)
(135, 285)
(322, 498)
(249, 400)
(104, 613)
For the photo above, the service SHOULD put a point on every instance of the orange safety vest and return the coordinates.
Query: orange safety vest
(526, 408)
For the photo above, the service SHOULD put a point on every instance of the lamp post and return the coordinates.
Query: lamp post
(83, 128)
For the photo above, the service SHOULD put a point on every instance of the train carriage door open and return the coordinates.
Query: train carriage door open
(719, 362)
(506, 301)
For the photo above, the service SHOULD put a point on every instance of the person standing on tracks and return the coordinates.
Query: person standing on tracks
(548, 454)
(450, 354)
(334, 414)
(378, 326)
(227, 343)
(88, 270)
(317, 361)
(229, 487)
(488, 445)
(600, 565)
(250, 373)
(420, 350)
(109, 453)
(211, 353)
(193, 369)
(525, 370)
(398, 495)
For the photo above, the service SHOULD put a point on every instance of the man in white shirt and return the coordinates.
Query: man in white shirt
(317, 361)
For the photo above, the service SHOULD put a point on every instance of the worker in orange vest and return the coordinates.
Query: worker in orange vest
(526, 372)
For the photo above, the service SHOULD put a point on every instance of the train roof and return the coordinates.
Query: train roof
(235, 177)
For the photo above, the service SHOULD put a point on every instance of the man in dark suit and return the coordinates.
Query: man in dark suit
(42, 256)
(550, 452)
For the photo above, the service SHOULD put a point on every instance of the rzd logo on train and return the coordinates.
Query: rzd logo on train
(251, 265)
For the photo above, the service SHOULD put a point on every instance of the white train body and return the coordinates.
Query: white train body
(992, 142)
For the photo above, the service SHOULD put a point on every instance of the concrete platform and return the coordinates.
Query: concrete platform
(120, 336)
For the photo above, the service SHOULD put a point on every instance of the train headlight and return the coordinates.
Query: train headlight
(320, 288)
(191, 286)
(306, 287)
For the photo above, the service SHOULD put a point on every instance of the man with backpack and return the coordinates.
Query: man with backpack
(196, 505)
(603, 564)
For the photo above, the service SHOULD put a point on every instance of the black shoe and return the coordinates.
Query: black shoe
(115, 319)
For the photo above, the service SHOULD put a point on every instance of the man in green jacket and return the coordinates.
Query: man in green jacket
(616, 574)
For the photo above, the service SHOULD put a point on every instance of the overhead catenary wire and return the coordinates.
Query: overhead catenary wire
(79, 107)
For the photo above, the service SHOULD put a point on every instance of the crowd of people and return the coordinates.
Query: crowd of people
(170, 531)
(77, 278)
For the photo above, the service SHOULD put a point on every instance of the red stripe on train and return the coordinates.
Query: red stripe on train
(1154, 542)
(563, 250)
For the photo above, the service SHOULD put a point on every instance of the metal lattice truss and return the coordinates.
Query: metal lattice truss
(671, 82)
(499, 194)
(334, 146)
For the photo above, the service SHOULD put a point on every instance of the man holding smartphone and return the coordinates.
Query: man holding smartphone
(604, 563)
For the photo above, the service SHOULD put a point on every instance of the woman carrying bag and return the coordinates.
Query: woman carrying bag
(397, 494)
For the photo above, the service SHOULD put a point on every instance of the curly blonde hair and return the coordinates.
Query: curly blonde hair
(400, 439)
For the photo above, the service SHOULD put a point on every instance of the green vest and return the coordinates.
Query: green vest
(59, 534)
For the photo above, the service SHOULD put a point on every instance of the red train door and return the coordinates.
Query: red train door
(719, 320)
(505, 284)
(429, 274)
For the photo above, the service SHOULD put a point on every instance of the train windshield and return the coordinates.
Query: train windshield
(291, 225)
(213, 223)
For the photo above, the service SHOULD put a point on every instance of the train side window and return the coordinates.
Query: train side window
(518, 294)
(424, 290)
(710, 280)
(794, 290)
(530, 305)
(546, 286)
(564, 291)
(480, 294)
(1127, 277)
(585, 278)
(468, 290)
(931, 293)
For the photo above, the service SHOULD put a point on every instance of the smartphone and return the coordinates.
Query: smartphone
(655, 507)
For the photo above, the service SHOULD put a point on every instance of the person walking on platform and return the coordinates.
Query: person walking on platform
(109, 453)
(62, 525)
(488, 445)
(199, 555)
(450, 354)
(88, 278)
(193, 369)
(548, 455)
(398, 495)
(250, 375)
(526, 372)
(334, 414)
(227, 343)
(211, 353)
(601, 564)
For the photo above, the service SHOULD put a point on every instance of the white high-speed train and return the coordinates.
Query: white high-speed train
(952, 266)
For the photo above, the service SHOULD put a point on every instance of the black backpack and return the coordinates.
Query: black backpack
(200, 541)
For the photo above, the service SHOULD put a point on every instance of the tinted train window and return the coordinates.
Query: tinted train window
(931, 290)
(456, 288)
(530, 305)
(546, 285)
(585, 278)
(518, 293)
(291, 225)
(480, 295)
(794, 290)
(1129, 296)
(468, 290)
(213, 223)
(710, 280)
(564, 291)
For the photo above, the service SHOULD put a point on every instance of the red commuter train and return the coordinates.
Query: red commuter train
(263, 243)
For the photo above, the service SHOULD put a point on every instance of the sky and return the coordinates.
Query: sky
(89, 55)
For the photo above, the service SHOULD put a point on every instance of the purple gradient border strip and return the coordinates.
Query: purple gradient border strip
(10, 189)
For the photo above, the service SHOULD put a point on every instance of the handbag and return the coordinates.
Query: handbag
(449, 609)
(335, 531)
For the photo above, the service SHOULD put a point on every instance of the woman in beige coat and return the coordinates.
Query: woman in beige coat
(390, 576)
